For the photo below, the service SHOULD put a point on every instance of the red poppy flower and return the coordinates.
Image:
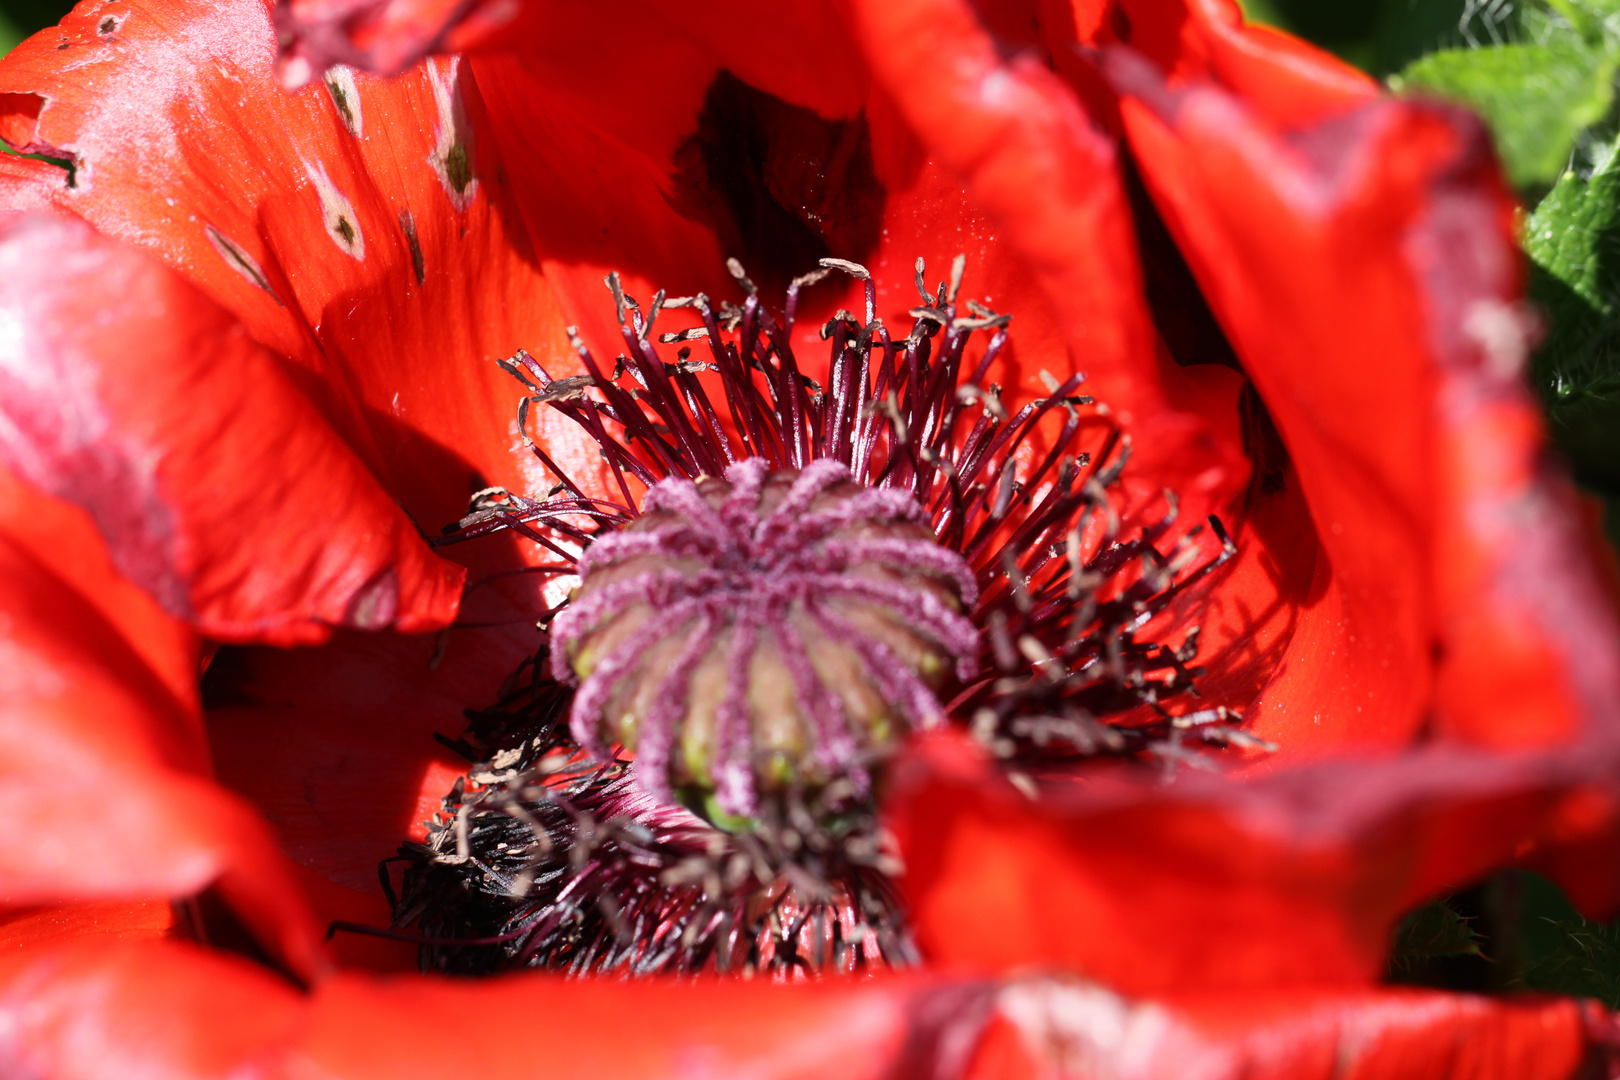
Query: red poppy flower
(247, 343)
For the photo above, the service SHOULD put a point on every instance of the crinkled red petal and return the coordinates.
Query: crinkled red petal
(790, 49)
(1366, 273)
(102, 760)
(88, 1010)
(1049, 180)
(1044, 1030)
(217, 486)
(335, 746)
(387, 36)
(107, 920)
(26, 183)
(361, 228)
(1291, 879)
(92, 1009)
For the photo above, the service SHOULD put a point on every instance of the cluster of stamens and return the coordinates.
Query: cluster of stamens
(811, 572)
(541, 858)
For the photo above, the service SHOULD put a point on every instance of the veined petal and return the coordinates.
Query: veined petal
(1364, 269)
(171, 1011)
(26, 183)
(52, 924)
(1046, 1028)
(217, 486)
(91, 1009)
(102, 760)
(335, 746)
(1049, 180)
(360, 227)
(1292, 879)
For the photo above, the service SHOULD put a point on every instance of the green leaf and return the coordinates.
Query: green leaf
(1433, 930)
(9, 34)
(1587, 16)
(1573, 240)
(1586, 963)
(1537, 97)
(1559, 951)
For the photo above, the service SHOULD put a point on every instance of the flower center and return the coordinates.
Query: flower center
(801, 585)
(763, 631)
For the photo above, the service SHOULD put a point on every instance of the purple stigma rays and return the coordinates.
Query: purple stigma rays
(764, 630)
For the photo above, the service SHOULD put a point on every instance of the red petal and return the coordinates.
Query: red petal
(78, 1013)
(1049, 181)
(1288, 81)
(25, 183)
(387, 36)
(335, 746)
(118, 920)
(1358, 666)
(188, 148)
(791, 50)
(1292, 879)
(61, 536)
(101, 756)
(1527, 620)
(1413, 437)
(644, 1030)
(217, 485)
(94, 1010)
(1044, 1028)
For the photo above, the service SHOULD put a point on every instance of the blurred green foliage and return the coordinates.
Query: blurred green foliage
(9, 34)
(1379, 36)
(1545, 84)
(19, 18)
(1538, 96)
(1573, 239)
(1515, 931)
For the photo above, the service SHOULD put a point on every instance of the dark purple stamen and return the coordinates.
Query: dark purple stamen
(902, 509)
(538, 859)
(915, 426)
